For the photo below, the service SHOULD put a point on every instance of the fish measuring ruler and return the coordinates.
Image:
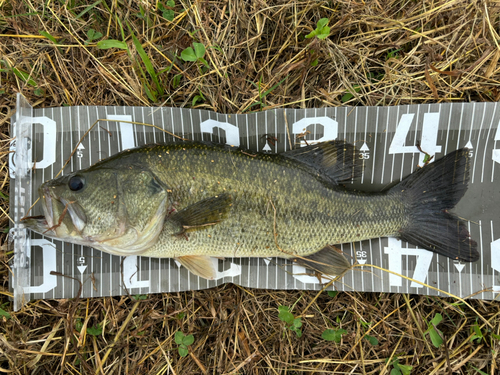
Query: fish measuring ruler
(385, 136)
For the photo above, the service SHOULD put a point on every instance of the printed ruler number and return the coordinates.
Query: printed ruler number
(428, 143)
(365, 151)
(330, 126)
(395, 252)
(49, 141)
(496, 152)
(131, 263)
(232, 132)
(495, 262)
(49, 259)
(361, 256)
(127, 135)
(130, 270)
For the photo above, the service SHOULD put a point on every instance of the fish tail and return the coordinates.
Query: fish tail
(429, 193)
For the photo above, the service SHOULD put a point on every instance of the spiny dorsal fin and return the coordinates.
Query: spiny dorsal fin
(199, 265)
(204, 213)
(336, 161)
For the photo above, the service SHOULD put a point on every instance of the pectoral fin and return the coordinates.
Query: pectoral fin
(328, 261)
(204, 213)
(200, 265)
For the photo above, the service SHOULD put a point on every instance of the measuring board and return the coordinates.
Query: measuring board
(385, 136)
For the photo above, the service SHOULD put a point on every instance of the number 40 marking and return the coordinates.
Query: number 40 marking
(496, 153)
(428, 144)
(395, 252)
(429, 136)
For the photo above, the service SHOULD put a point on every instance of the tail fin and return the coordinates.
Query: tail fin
(430, 192)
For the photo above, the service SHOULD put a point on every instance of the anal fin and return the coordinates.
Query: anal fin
(328, 261)
(200, 265)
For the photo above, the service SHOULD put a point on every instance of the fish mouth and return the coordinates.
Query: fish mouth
(62, 218)
(36, 223)
(47, 205)
(42, 224)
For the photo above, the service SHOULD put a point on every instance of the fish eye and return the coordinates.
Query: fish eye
(76, 183)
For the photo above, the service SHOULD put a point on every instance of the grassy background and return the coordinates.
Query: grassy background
(380, 52)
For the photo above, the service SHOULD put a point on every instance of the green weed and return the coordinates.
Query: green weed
(25, 77)
(195, 54)
(167, 13)
(350, 93)
(197, 98)
(434, 333)
(333, 334)
(322, 30)
(4, 196)
(393, 54)
(292, 323)
(22, 75)
(3, 313)
(111, 43)
(93, 35)
(262, 95)
(88, 9)
(371, 339)
(144, 15)
(399, 369)
(48, 36)
(151, 92)
(183, 341)
(93, 331)
(479, 371)
(176, 80)
(479, 335)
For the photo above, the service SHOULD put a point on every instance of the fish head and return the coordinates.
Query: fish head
(117, 210)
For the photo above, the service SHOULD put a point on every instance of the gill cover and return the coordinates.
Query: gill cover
(142, 207)
(119, 209)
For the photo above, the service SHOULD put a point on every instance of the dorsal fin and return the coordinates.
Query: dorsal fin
(336, 161)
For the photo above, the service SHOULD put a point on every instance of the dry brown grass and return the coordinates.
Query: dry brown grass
(384, 52)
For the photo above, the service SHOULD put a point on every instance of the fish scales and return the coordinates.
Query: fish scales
(303, 211)
(193, 201)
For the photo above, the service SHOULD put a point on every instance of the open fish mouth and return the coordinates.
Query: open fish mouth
(61, 217)
(47, 205)
(36, 223)
(42, 224)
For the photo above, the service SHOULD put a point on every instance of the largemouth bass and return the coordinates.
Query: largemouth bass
(194, 201)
